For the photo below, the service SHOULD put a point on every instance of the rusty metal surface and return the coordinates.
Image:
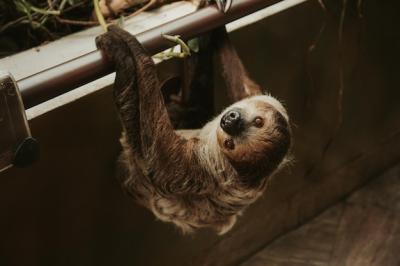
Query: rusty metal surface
(62, 78)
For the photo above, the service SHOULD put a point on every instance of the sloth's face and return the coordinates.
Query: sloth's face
(254, 134)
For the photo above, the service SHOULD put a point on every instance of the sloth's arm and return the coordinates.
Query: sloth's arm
(137, 91)
(169, 160)
(126, 97)
(237, 81)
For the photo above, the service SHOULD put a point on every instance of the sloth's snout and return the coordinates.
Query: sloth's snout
(231, 122)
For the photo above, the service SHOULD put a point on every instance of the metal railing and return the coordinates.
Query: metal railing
(64, 77)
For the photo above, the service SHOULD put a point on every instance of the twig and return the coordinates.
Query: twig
(144, 8)
(40, 10)
(341, 71)
(359, 8)
(322, 4)
(62, 5)
(12, 23)
(69, 8)
(45, 12)
(176, 39)
(99, 15)
(77, 22)
(38, 25)
(339, 102)
(50, 4)
(185, 49)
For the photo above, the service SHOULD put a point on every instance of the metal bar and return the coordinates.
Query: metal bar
(62, 78)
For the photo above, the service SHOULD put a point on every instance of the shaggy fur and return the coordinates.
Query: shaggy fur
(193, 180)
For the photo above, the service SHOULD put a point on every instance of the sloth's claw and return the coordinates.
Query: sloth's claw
(223, 5)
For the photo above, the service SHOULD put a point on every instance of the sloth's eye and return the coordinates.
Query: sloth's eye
(258, 122)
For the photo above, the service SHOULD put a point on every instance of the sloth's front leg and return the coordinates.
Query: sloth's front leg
(136, 89)
(168, 160)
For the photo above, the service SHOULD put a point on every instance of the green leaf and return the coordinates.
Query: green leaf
(121, 21)
(194, 45)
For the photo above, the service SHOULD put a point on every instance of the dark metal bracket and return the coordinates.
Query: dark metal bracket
(17, 147)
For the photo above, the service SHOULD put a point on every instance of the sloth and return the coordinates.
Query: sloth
(195, 178)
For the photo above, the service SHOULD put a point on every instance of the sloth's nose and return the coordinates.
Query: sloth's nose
(231, 122)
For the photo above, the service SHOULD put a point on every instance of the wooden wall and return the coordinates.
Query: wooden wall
(68, 209)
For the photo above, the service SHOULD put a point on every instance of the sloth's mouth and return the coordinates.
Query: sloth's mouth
(229, 144)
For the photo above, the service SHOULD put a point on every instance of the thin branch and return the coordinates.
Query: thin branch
(45, 11)
(339, 102)
(99, 15)
(77, 22)
(322, 4)
(69, 8)
(50, 4)
(341, 71)
(359, 8)
(37, 25)
(142, 9)
(12, 23)
(176, 39)
(62, 5)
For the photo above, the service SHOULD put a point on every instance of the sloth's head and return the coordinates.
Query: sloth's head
(254, 135)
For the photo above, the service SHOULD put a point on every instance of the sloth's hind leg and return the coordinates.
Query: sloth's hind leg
(234, 74)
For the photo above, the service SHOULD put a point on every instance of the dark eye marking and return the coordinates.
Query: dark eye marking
(229, 144)
(258, 122)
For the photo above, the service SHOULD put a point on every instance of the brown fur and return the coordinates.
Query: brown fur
(192, 182)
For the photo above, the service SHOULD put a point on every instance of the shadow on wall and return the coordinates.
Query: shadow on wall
(69, 210)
